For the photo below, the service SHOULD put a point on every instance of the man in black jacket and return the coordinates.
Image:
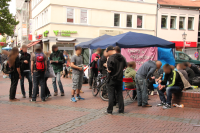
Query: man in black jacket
(189, 71)
(115, 66)
(194, 68)
(172, 83)
(103, 64)
(24, 58)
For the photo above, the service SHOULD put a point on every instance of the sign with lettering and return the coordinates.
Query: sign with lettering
(140, 55)
(110, 32)
(46, 33)
(64, 32)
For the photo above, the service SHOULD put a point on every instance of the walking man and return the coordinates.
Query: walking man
(57, 60)
(115, 67)
(143, 75)
(77, 74)
(25, 61)
(38, 68)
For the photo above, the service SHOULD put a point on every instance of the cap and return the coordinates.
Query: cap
(110, 48)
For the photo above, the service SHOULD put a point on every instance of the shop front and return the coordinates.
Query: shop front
(180, 45)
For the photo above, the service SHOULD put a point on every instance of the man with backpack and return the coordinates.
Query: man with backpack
(24, 58)
(57, 60)
(38, 68)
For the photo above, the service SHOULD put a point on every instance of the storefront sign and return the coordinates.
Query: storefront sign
(140, 55)
(46, 33)
(187, 44)
(64, 32)
(110, 32)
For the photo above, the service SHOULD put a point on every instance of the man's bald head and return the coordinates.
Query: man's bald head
(158, 64)
(179, 66)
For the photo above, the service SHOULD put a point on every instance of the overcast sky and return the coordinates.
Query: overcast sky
(12, 7)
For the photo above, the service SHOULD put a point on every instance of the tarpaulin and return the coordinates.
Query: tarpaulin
(165, 55)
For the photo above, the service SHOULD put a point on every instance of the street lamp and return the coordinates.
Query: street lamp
(184, 38)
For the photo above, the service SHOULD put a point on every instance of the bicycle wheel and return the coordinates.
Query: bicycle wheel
(103, 93)
(95, 89)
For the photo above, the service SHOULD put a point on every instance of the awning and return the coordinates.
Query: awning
(33, 43)
(66, 39)
(45, 40)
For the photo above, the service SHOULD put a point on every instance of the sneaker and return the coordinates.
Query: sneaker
(161, 104)
(55, 93)
(80, 98)
(14, 100)
(167, 106)
(106, 113)
(4, 76)
(73, 99)
(32, 100)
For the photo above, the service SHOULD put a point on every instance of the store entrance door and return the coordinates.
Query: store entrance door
(69, 50)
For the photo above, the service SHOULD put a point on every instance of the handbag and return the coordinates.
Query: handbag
(51, 72)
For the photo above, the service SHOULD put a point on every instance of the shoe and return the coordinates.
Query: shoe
(161, 104)
(43, 100)
(106, 113)
(73, 99)
(80, 98)
(37, 95)
(167, 106)
(147, 105)
(121, 112)
(62, 94)
(14, 100)
(49, 95)
(24, 96)
(30, 96)
(55, 93)
(81, 91)
(139, 105)
(32, 100)
(117, 105)
(90, 87)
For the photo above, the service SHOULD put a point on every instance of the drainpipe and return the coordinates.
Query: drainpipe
(158, 7)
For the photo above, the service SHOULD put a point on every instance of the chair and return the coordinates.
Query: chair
(129, 90)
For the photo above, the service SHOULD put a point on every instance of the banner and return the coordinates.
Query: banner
(140, 55)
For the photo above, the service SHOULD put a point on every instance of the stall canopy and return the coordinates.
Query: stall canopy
(7, 48)
(133, 40)
(88, 43)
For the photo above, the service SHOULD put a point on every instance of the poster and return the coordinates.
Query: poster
(140, 55)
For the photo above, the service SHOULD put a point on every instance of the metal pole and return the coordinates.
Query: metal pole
(184, 46)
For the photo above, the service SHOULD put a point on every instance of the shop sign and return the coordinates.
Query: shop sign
(110, 32)
(45, 34)
(39, 36)
(64, 32)
(187, 44)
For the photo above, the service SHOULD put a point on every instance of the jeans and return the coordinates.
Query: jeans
(169, 91)
(14, 83)
(142, 91)
(38, 78)
(93, 74)
(114, 85)
(29, 77)
(47, 92)
(59, 83)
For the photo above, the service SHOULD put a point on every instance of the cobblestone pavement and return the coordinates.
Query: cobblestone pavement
(59, 115)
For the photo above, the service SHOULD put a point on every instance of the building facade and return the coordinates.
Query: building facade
(67, 23)
(176, 18)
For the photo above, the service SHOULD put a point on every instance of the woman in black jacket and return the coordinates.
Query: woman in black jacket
(47, 92)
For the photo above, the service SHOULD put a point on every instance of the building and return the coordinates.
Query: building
(176, 17)
(69, 22)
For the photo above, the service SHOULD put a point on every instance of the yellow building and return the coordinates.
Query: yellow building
(70, 22)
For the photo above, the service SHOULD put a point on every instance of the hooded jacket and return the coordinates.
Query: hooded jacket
(116, 64)
(102, 69)
(22, 57)
(57, 56)
(130, 73)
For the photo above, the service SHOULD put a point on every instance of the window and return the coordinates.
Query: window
(182, 23)
(183, 56)
(129, 21)
(164, 21)
(139, 21)
(70, 15)
(190, 23)
(116, 19)
(173, 22)
(83, 16)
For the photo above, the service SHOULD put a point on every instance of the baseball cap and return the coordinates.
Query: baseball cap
(110, 48)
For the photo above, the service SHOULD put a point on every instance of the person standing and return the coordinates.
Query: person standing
(77, 74)
(142, 76)
(57, 60)
(38, 69)
(25, 60)
(4, 57)
(47, 74)
(94, 67)
(14, 63)
(115, 66)
(103, 63)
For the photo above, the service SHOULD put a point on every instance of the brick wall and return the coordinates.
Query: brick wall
(188, 99)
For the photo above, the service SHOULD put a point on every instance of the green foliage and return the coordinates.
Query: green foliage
(7, 20)
(3, 39)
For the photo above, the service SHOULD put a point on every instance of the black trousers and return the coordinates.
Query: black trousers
(47, 92)
(93, 74)
(114, 85)
(150, 85)
(38, 78)
(14, 83)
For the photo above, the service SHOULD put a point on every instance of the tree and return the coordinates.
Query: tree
(3, 39)
(7, 20)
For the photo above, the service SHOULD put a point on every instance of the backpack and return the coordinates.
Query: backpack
(6, 68)
(39, 62)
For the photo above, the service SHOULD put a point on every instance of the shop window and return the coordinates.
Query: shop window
(190, 23)
(173, 22)
(129, 21)
(164, 21)
(84, 16)
(139, 21)
(182, 23)
(70, 15)
(116, 19)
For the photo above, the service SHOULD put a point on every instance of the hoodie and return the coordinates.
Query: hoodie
(116, 64)
(130, 73)
(22, 57)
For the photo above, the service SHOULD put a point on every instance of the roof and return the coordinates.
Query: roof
(186, 3)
